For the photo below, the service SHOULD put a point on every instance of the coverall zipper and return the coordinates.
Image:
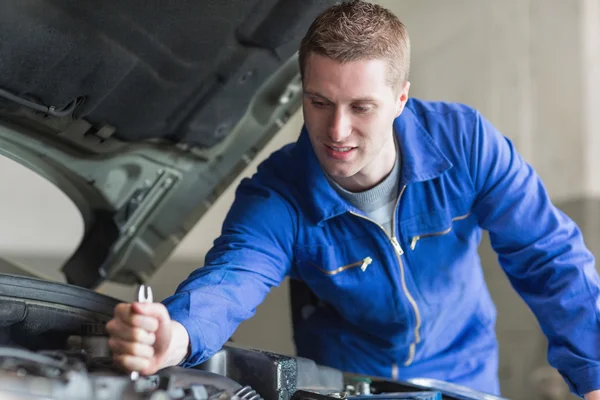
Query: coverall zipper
(415, 239)
(398, 251)
(363, 264)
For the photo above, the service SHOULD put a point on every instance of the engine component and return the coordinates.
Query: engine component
(307, 395)
(279, 377)
(274, 376)
(246, 393)
(74, 375)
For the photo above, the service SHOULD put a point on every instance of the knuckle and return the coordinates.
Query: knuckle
(138, 335)
(141, 321)
(116, 346)
(136, 349)
(136, 320)
(128, 362)
(152, 325)
(120, 360)
(151, 339)
(144, 351)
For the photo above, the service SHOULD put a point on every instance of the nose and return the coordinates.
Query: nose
(340, 126)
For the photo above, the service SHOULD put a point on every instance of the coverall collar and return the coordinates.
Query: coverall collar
(421, 160)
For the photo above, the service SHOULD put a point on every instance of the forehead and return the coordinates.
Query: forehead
(345, 81)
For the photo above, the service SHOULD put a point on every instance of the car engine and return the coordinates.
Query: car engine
(76, 374)
(53, 345)
(71, 375)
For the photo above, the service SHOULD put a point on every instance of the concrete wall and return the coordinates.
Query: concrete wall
(531, 66)
(521, 62)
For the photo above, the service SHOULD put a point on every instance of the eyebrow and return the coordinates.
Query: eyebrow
(358, 100)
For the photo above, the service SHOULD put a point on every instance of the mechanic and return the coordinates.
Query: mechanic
(379, 208)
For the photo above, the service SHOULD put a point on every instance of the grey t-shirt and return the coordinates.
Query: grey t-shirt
(377, 203)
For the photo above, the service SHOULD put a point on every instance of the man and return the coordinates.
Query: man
(378, 208)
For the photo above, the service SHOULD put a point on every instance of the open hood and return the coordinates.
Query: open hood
(143, 112)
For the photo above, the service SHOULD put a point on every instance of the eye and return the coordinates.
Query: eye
(318, 104)
(361, 109)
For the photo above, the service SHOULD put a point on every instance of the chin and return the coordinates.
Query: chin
(337, 172)
(338, 169)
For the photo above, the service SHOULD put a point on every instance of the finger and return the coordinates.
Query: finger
(123, 312)
(123, 331)
(156, 310)
(123, 347)
(149, 324)
(126, 313)
(132, 363)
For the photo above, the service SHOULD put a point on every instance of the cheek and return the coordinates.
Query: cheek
(369, 127)
(375, 132)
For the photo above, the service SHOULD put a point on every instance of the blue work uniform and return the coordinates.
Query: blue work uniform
(412, 303)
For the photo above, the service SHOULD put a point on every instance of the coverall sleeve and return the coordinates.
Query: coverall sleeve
(543, 254)
(252, 254)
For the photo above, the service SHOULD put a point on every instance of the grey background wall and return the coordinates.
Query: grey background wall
(531, 66)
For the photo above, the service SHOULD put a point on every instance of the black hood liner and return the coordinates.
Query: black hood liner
(177, 70)
(42, 315)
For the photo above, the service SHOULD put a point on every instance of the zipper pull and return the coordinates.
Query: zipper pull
(366, 262)
(397, 246)
(414, 241)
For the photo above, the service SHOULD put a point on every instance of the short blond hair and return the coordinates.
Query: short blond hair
(358, 30)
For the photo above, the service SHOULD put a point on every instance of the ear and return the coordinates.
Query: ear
(402, 98)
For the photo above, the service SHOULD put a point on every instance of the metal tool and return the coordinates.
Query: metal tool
(144, 296)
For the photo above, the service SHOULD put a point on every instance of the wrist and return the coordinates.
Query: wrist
(179, 348)
(594, 395)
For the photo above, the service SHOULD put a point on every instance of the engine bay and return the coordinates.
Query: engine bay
(75, 373)
(53, 345)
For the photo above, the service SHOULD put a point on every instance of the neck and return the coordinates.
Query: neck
(374, 173)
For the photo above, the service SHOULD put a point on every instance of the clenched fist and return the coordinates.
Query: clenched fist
(143, 338)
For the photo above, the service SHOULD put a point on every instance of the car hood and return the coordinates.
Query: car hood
(143, 112)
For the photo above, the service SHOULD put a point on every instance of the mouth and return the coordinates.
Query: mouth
(341, 149)
(339, 153)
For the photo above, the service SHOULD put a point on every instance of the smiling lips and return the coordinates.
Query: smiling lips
(340, 153)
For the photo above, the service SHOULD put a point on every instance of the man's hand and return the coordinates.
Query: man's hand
(595, 395)
(143, 338)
